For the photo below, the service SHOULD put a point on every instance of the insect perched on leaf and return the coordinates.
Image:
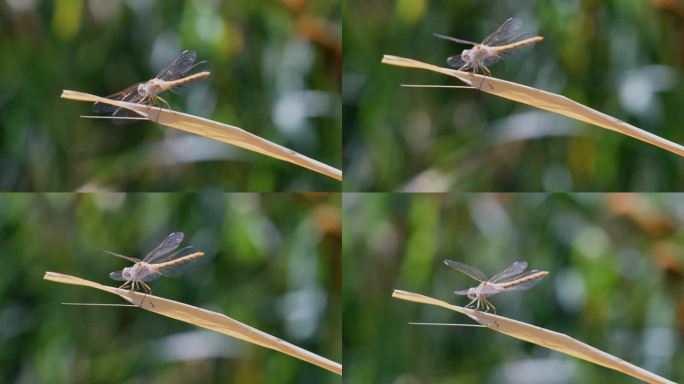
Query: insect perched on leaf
(161, 261)
(510, 279)
(505, 39)
(175, 78)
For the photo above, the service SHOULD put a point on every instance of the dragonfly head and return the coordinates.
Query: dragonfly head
(150, 88)
(127, 273)
(476, 55)
(468, 55)
(472, 293)
(143, 89)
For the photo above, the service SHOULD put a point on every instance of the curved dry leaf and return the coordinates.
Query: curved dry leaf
(203, 318)
(552, 340)
(541, 99)
(213, 130)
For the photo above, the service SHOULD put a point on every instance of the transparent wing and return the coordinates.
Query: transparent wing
(490, 290)
(128, 94)
(491, 60)
(456, 61)
(526, 285)
(467, 269)
(513, 270)
(462, 292)
(173, 255)
(174, 271)
(180, 266)
(177, 269)
(180, 65)
(507, 33)
(169, 244)
(455, 40)
(133, 259)
(202, 66)
(151, 276)
(117, 276)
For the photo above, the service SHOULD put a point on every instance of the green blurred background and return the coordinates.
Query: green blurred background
(623, 58)
(616, 283)
(276, 70)
(272, 261)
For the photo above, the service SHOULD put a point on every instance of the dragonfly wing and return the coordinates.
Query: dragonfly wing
(467, 269)
(462, 292)
(171, 271)
(528, 284)
(173, 255)
(129, 94)
(491, 60)
(489, 290)
(455, 40)
(201, 66)
(171, 242)
(180, 65)
(513, 270)
(151, 276)
(176, 270)
(455, 61)
(507, 33)
(133, 259)
(117, 276)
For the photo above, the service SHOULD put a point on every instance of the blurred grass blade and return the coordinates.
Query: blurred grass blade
(552, 340)
(203, 318)
(213, 130)
(541, 99)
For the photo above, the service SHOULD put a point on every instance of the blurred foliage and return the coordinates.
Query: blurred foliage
(272, 261)
(276, 73)
(623, 58)
(616, 283)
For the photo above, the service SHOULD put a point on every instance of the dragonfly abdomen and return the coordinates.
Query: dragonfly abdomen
(185, 80)
(517, 44)
(180, 260)
(523, 280)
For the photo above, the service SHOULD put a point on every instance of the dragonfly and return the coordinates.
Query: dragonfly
(175, 78)
(164, 260)
(510, 279)
(478, 58)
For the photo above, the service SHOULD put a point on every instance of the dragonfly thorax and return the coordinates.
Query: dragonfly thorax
(132, 272)
(151, 87)
(476, 54)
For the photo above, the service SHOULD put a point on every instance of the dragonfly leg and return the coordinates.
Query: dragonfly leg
(488, 73)
(165, 102)
(124, 284)
(469, 305)
(155, 99)
(148, 290)
(490, 306)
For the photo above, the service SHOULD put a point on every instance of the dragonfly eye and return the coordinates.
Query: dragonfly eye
(142, 90)
(467, 55)
(471, 294)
